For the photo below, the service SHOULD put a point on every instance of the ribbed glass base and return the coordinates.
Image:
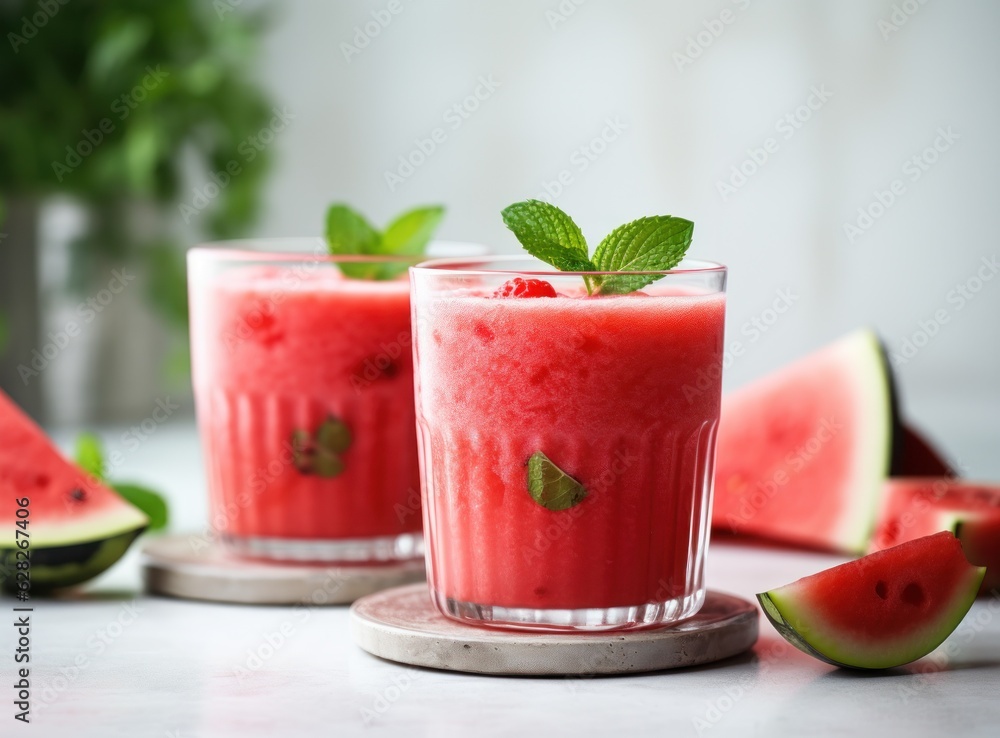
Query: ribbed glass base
(343, 550)
(646, 615)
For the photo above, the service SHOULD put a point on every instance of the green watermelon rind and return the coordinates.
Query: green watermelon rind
(860, 363)
(876, 452)
(67, 545)
(70, 569)
(783, 612)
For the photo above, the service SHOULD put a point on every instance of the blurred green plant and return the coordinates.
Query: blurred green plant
(116, 104)
(89, 456)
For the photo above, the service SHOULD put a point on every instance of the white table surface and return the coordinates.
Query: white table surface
(179, 669)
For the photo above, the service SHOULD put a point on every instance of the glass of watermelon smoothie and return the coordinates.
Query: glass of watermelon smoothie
(303, 381)
(567, 441)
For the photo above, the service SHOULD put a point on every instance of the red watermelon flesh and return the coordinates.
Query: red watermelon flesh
(882, 610)
(980, 537)
(915, 507)
(802, 452)
(77, 526)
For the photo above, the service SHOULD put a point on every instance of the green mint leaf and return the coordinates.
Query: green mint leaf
(333, 435)
(319, 453)
(327, 465)
(151, 503)
(89, 455)
(549, 234)
(550, 486)
(653, 244)
(348, 233)
(410, 233)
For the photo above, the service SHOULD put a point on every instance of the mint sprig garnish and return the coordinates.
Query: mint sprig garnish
(349, 233)
(651, 244)
(90, 457)
(550, 486)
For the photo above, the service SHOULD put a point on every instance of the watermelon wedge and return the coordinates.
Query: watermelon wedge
(915, 507)
(76, 526)
(883, 610)
(803, 451)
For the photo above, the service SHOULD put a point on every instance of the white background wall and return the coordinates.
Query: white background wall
(565, 68)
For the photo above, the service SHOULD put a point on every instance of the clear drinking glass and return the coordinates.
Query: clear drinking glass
(303, 381)
(619, 393)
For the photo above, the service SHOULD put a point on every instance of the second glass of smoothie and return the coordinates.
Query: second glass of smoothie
(303, 381)
(607, 404)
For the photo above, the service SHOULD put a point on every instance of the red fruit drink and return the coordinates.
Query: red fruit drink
(304, 389)
(621, 393)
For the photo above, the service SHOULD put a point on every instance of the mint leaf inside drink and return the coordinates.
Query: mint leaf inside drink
(320, 452)
(349, 233)
(550, 486)
(653, 244)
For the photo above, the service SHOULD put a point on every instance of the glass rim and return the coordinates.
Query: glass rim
(239, 249)
(460, 266)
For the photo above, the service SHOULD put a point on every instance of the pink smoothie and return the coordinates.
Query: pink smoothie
(278, 352)
(598, 385)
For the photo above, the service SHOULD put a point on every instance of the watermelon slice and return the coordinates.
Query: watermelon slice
(77, 527)
(915, 507)
(803, 451)
(883, 610)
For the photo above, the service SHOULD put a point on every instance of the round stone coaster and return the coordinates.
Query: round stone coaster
(402, 624)
(191, 568)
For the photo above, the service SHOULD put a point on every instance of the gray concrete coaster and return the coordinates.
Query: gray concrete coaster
(402, 624)
(191, 568)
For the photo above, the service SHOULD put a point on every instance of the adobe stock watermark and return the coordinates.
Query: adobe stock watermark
(957, 299)
(453, 118)
(700, 42)
(385, 364)
(96, 646)
(786, 127)
(562, 12)
(582, 158)
(899, 17)
(30, 25)
(86, 313)
(364, 33)
(262, 321)
(913, 169)
(620, 462)
(225, 7)
(122, 107)
(753, 330)
(389, 695)
(795, 461)
(266, 472)
(132, 440)
(979, 619)
(248, 149)
(715, 710)
(272, 641)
